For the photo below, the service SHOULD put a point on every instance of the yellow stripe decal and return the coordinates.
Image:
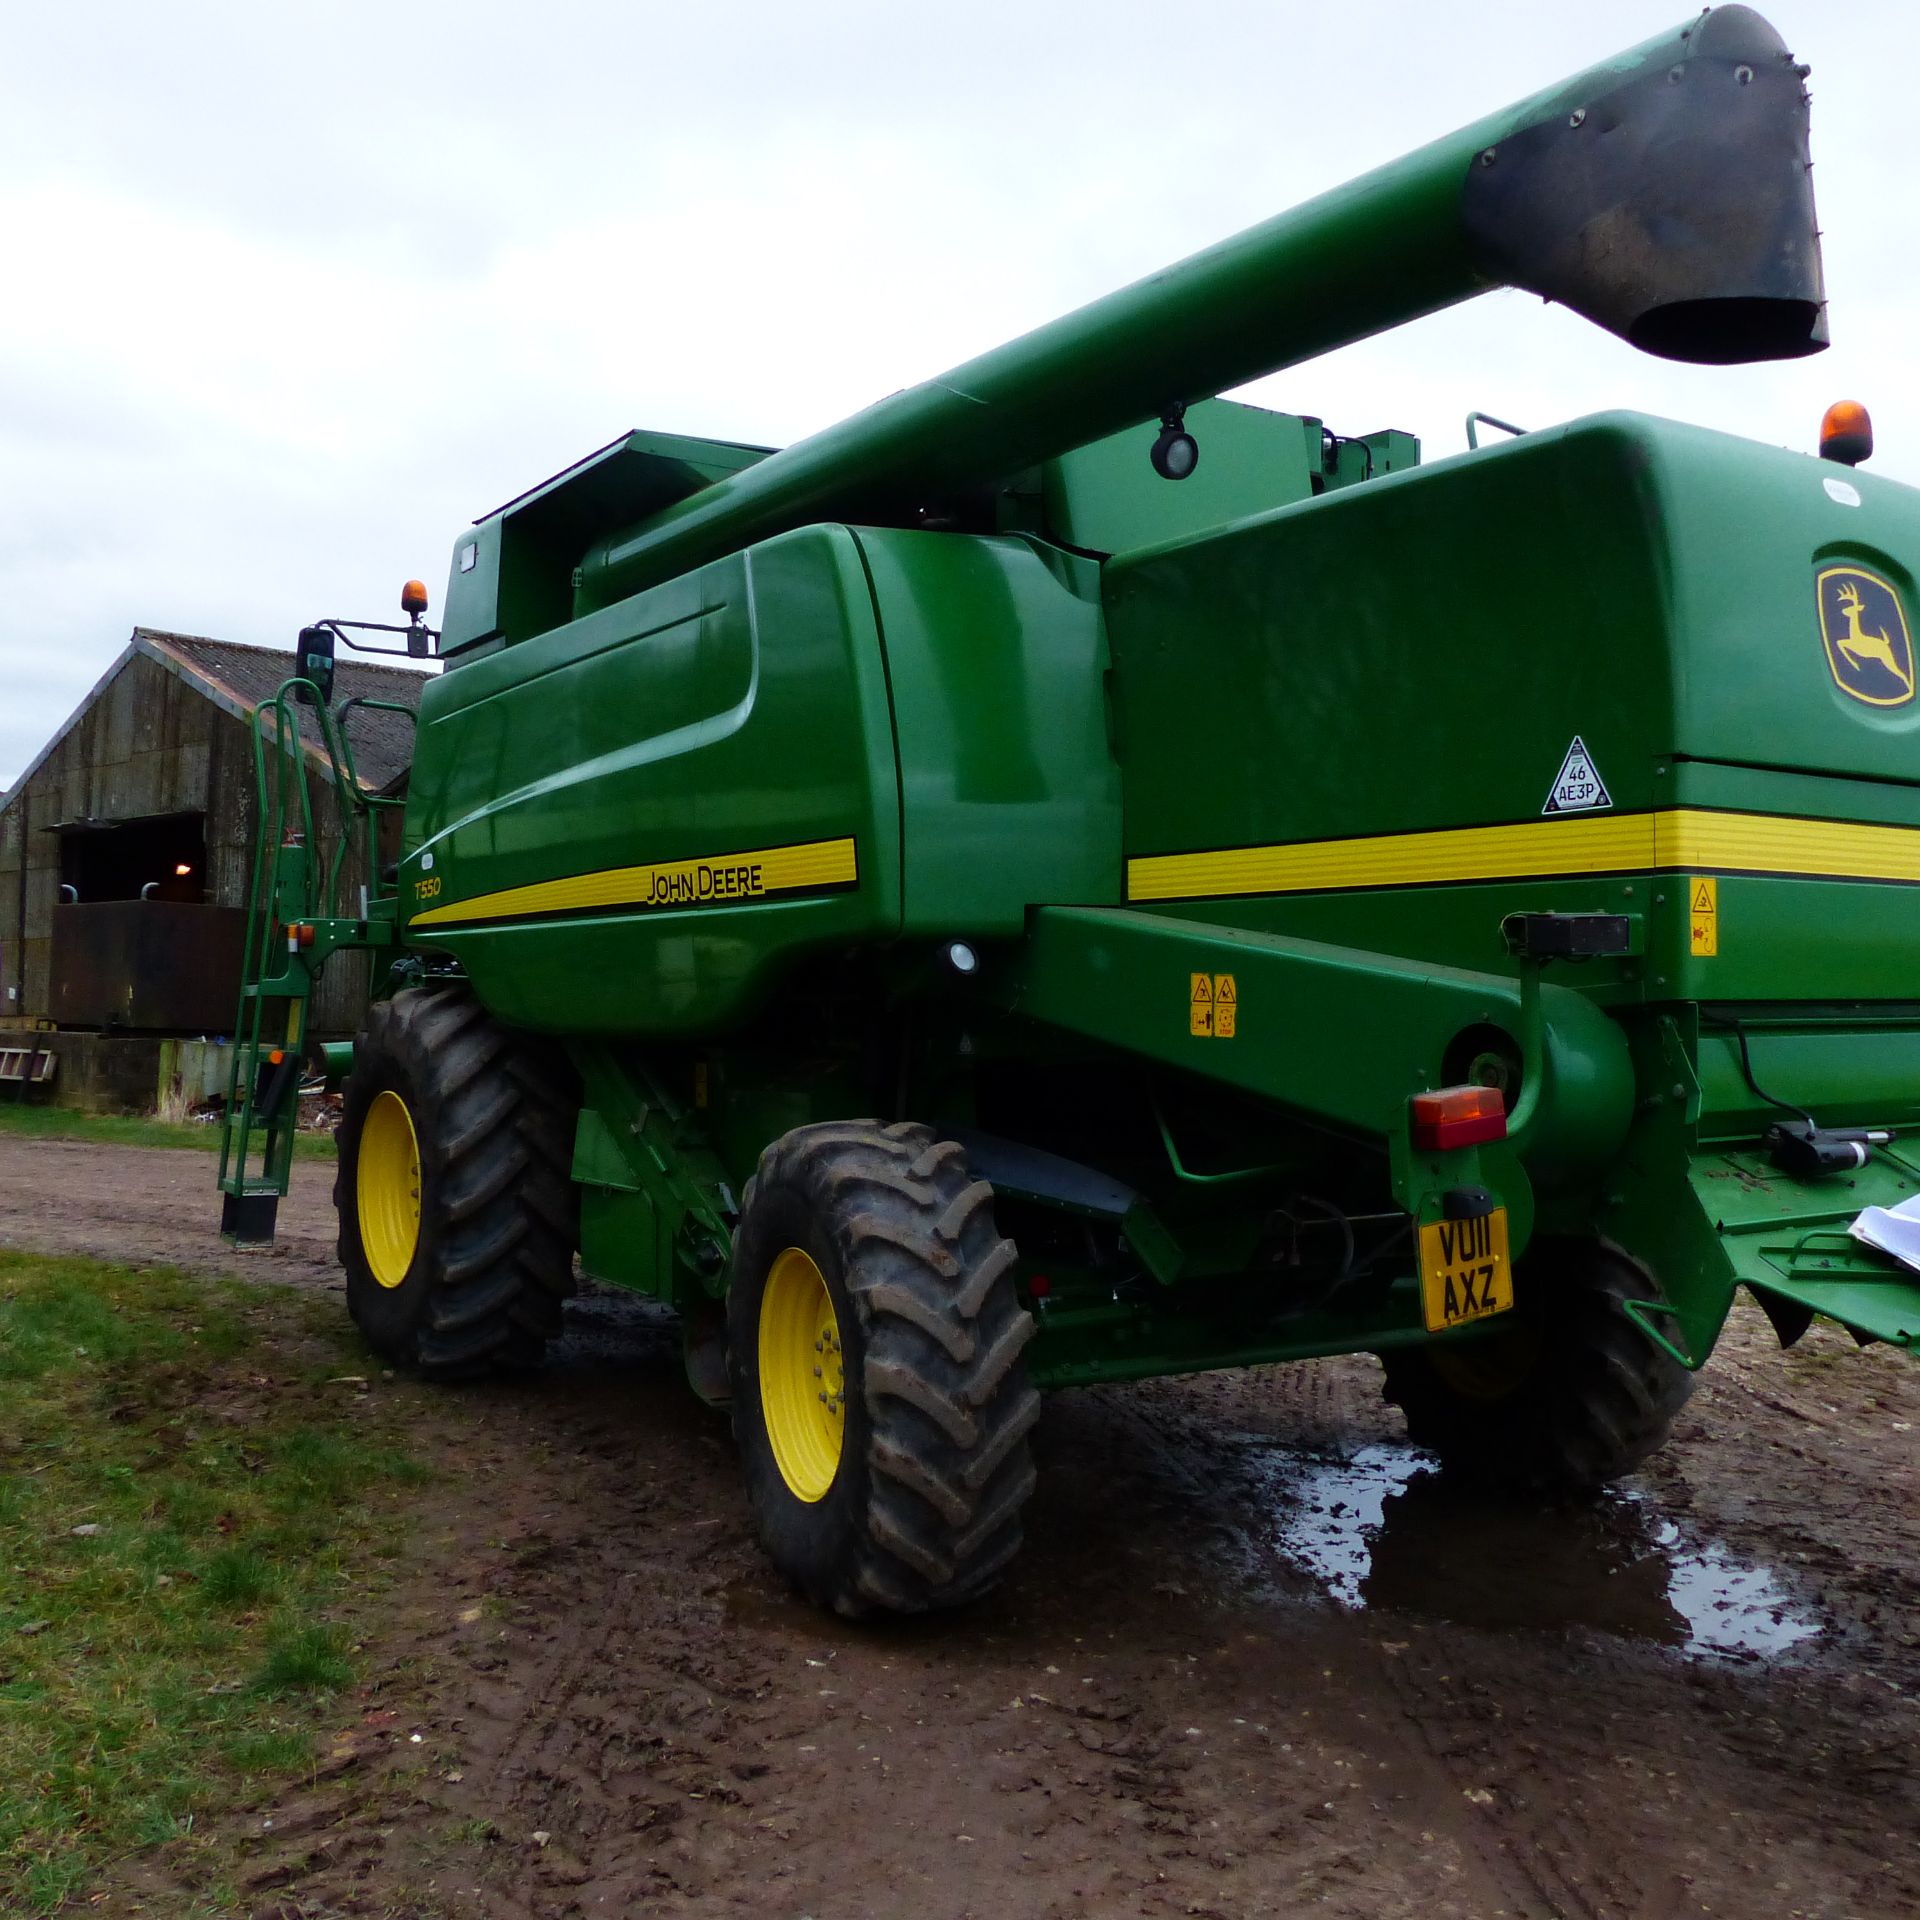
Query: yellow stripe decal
(1766, 843)
(720, 879)
(1682, 837)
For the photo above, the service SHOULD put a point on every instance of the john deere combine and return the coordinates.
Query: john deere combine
(1062, 878)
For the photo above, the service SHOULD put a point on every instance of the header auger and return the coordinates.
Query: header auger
(1064, 878)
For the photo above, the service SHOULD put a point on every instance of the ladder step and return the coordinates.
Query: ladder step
(249, 1218)
(240, 1184)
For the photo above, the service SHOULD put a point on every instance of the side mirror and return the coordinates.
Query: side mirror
(315, 658)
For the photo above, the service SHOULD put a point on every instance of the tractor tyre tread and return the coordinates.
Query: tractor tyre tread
(946, 1468)
(1600, 1398)
(492, 1112)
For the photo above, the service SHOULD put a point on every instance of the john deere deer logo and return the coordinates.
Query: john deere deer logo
(1869, 649)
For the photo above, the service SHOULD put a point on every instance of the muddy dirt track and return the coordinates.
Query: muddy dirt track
(1257, 1658)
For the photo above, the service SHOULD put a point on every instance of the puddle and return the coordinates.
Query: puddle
(1384, 1528)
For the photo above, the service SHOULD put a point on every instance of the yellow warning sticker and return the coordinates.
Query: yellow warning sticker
(1226, 1004)
(1213, 1002)
(1200, 1005)
(1703, 919)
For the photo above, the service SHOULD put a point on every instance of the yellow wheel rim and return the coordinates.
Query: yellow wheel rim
(1489, 1368)
(387, 1188)
(803, 1389)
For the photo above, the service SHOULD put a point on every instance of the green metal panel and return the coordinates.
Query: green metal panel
(1107, 496)
(1863, 1064)
(1747, 528)
(997, 662)
(471, 615)
(741, 710)
(1276, 682)
(1789, 1241)
(1466, 668)
(1707, 1217)
(1450, 926)
(1074, 1348)
(1647, 1209)
(1372, 456)
(1342, 1034)
(1276, 686)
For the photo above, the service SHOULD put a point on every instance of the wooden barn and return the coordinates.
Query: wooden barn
(126, 847)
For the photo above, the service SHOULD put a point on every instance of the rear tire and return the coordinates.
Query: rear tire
(454, 1189)
(874, 1340)
(1571, 1396)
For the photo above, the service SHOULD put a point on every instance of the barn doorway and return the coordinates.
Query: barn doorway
(162, 857)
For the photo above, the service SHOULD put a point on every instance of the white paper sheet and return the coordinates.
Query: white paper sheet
(1894, 1230)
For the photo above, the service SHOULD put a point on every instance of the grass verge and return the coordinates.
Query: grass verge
(131, 1130)
(195, 1504)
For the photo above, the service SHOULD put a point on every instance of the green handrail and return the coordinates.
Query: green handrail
(289, 889)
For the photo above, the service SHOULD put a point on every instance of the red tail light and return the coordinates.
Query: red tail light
(1458, 1117)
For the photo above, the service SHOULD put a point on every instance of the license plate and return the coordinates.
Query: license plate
(1464, 1270)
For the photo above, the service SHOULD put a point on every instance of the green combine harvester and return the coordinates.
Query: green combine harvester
(1064, 878)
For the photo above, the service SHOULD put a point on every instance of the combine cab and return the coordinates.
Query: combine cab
(1062, 878)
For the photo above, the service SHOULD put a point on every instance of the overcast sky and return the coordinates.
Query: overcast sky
(289, 296)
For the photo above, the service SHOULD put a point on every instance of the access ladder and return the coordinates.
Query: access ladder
(295, 920)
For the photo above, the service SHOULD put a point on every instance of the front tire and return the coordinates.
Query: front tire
(454, 1193)
(1572, 1395)
(880, 1400)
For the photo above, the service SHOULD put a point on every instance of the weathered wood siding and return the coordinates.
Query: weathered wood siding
(147, 744)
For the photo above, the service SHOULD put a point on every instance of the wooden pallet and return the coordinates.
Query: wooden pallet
(29, 1066)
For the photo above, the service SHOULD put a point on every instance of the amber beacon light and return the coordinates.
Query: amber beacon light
(1846, 434)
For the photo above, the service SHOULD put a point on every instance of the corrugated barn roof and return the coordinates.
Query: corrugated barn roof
(240, 678)
(382, 742)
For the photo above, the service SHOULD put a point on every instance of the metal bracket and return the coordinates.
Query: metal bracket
(1638, 1311)
(635, 1139)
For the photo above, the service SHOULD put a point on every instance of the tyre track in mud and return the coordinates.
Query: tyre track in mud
(1551, 1861)
(605, 1709)
(1535, 1863)
(1167, 1710)
(1569, 1804)
(1017, 1762)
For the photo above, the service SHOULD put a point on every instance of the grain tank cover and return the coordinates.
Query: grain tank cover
(1674, 209)
(512, 573)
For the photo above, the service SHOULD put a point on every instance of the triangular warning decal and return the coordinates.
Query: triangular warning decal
(1577, 787)
(1703, 900)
